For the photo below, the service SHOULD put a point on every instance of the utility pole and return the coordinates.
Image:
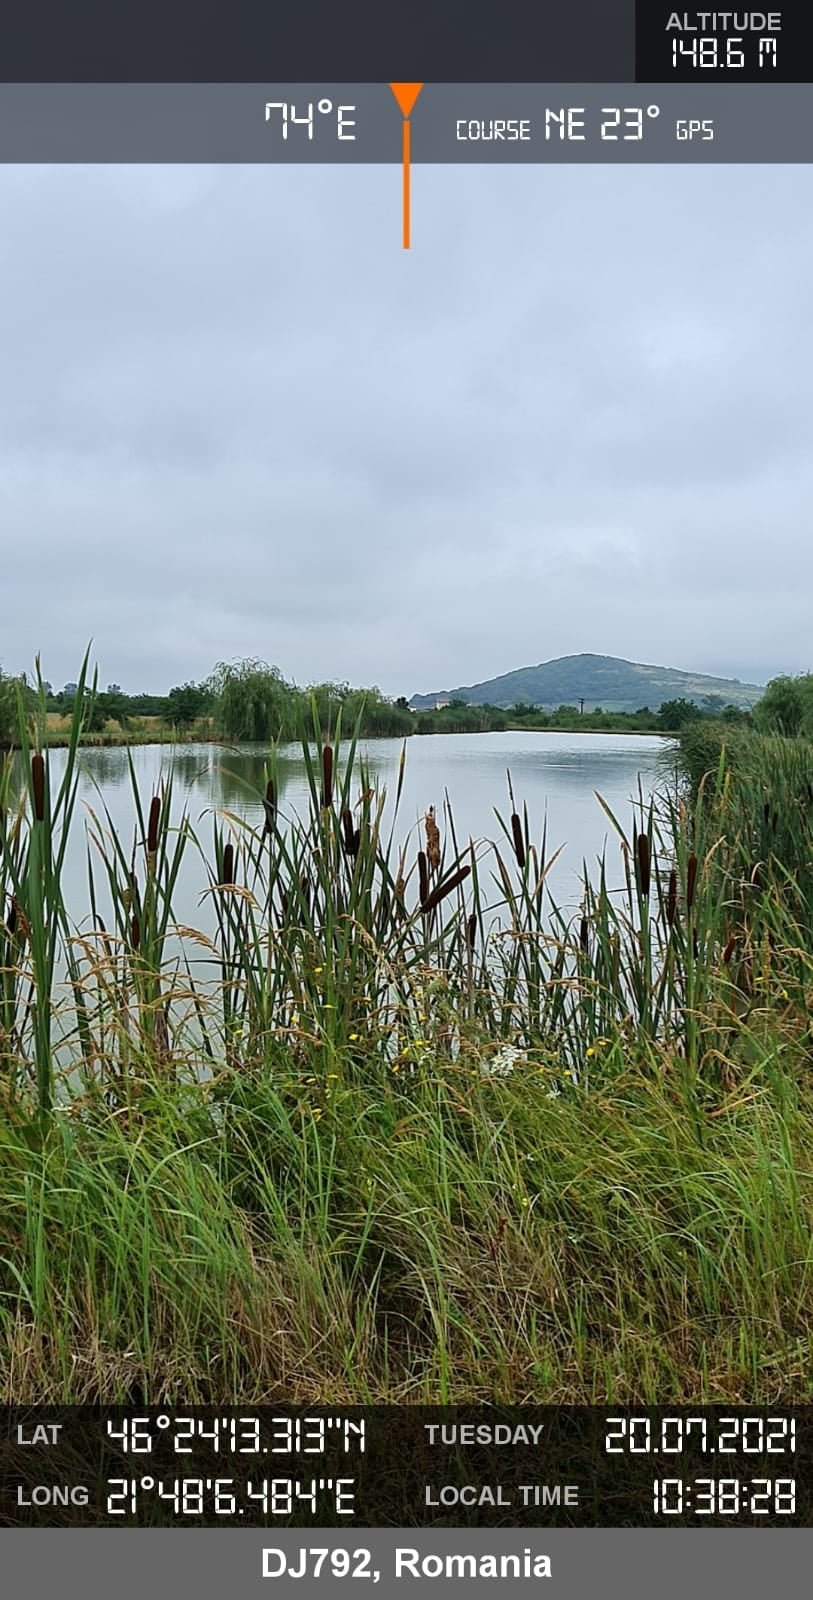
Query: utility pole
(581, 706)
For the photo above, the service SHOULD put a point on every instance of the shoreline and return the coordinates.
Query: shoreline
(111, 741)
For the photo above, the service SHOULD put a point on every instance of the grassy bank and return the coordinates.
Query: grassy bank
(155, 731)
(415, 1134)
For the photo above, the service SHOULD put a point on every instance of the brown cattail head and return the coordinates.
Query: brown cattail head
(38, 785)
(729, 950)
(352, 836)
(691, 879)
(228, 864)
(583, 933)
(756, 876)
(443, 889)
(327, 775)
(643, 863)
(471, 931)
(423, 877)
(432, 840)
(135, 933)
(152, 830)
(270, 806)
(519, 842)
(671, 899)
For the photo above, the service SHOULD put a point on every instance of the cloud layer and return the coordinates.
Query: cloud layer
(237, 419)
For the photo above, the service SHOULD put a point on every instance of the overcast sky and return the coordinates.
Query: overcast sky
(237, 419)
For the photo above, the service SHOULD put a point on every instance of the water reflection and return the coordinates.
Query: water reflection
(555, 775)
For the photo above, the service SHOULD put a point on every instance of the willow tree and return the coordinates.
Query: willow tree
(252, 701)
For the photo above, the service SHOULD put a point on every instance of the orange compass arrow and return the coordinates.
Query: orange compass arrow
(406, 94)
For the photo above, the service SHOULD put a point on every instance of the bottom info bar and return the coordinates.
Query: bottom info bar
(572, 1564)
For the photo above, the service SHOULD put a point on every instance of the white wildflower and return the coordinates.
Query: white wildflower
(502, 1064)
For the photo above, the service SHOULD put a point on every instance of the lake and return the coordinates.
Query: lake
(555, 774)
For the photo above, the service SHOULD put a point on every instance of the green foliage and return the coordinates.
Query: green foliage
(782, 707)
(376, 716)
(674, 714)
(8, 708)
(252, 701)
(100, 709)
(458, 717)
(187, 703)
(701, 744)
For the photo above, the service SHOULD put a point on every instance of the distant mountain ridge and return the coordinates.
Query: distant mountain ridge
(605, 681)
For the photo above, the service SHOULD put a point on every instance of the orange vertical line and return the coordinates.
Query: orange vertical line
(406, 152)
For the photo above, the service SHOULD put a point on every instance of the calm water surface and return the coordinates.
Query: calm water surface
(555, 774)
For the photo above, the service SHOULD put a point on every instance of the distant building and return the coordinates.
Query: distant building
(439, 704)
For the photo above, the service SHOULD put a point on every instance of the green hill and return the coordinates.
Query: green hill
(604, 681)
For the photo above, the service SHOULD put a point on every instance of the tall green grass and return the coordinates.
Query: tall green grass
(403, 1127)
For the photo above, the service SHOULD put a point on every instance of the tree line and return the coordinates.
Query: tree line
(252, 701)
(243, 700)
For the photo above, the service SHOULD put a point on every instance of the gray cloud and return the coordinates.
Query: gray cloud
(237, 419)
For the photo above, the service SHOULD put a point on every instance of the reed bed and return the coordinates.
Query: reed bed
(403, 1128)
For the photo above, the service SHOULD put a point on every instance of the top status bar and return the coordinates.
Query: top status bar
(449, 41)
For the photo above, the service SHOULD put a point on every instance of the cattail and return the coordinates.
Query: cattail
(432, 840)
(38, 785)
(671, 899)
(729, 950)
(135, 933)
(756, 878)
(228, 865)
(583, 933)
(152, 830)
(691, 879)
(766, 814)
(471, 930)
(519, 842)
(352, 836)
(423, 877)
(643, 863)
(443, 889)
(270, 806)
(327, 776)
